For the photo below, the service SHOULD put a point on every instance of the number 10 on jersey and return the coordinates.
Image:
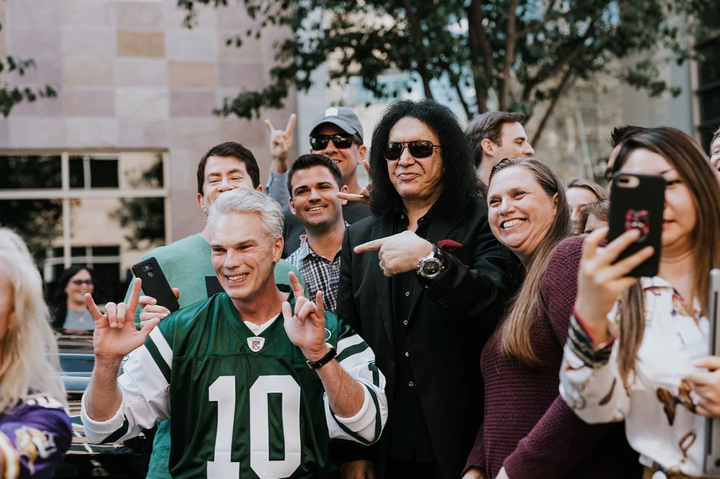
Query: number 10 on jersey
(223, 391)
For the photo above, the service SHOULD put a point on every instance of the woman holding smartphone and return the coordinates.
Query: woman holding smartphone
(632, 342)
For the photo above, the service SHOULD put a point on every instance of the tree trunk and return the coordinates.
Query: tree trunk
(510, 43)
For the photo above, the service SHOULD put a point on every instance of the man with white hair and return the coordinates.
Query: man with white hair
(245, 388)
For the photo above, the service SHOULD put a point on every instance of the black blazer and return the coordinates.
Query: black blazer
(449, 324)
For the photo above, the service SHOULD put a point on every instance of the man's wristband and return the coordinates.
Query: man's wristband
(322, 361)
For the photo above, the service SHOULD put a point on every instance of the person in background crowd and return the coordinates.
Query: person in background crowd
(187, 263)
(35, 430)
(69, 310)
(618, 135)
(314, 182)
(421, 281)
(579, 193)
(266, 380)
(715, 152)
(594, 216)
(495, 135)
(528, 431)
(633, 342)
(337, 134)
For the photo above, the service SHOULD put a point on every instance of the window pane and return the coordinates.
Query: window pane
(38, 222)
(709, 104)
(77, 172)
(108, 284)
(77, 251)
(143, 170)
(104, 173)
(23, 172)
(709, 67)
(106, 251)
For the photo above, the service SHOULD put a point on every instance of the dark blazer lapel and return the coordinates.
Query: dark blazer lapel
(382, 283)
(440, 227)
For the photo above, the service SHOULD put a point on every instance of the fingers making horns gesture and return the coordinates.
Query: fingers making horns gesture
(305, 326)
(115, 333)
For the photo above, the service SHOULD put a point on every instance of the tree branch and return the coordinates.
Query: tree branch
(547, 18)
(564, 82)
(561, 62)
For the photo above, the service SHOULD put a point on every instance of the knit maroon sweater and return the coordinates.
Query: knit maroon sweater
(527, 427)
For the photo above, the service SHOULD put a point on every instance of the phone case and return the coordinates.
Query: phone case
(155, 284)
(712, 434)
(639, 207)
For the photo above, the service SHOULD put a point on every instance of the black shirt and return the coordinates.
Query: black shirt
(352, 212)
(409, 436)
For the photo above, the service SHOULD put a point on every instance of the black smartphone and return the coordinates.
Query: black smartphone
(712, 431)
(155, 284)
(637, 202)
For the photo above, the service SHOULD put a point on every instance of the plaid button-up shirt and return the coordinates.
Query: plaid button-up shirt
(319, 273)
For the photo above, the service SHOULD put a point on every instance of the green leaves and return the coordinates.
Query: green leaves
(463, 43)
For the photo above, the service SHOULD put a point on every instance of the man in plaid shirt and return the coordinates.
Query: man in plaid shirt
(314, 182)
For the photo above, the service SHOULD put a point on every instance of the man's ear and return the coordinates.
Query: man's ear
(201, 202)
(344, 189)
(278, 249)
(488, 147)
(292, 206)
(362, 149)
(260, 188)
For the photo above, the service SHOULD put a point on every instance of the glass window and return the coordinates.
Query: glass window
(109, 228)
(26, 172)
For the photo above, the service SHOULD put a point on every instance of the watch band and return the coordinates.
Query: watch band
(322, 361)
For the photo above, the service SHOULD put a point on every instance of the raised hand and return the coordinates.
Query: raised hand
(398, 253)
(152, 310)
(600, 282)
(281, 140)
(305, 326)
(115, 333)
(364, 196)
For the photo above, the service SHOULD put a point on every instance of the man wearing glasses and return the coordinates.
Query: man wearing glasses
(422, 283)
(337, 134)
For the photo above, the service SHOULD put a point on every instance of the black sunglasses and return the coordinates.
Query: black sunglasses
(418, 149)
(80, 282)
(341, 142)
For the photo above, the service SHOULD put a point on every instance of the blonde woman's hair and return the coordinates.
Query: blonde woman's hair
(693, 167)
(30, 365)
(527, 305)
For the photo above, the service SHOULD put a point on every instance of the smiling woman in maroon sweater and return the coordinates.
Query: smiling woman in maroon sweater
(528, 431)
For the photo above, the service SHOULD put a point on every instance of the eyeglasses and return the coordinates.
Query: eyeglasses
(418, 149)
(80, 282)
(341, 142)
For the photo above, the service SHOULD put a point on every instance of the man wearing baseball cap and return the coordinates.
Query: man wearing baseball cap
(337, 134)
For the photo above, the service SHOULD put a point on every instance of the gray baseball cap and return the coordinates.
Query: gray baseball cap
(341, 116)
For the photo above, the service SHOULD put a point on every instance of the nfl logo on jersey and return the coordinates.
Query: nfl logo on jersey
(256, 343)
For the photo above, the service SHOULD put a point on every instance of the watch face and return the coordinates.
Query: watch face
(431, 267)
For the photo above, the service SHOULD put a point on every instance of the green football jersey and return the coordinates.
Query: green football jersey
(241, 405)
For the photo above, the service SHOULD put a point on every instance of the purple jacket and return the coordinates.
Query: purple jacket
(34, 437)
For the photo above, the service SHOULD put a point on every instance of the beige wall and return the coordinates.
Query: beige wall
(129, 76)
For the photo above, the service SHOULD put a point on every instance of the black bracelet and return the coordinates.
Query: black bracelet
(322, 361)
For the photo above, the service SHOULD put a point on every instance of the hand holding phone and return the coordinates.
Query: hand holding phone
(155, 285)
(603, 277)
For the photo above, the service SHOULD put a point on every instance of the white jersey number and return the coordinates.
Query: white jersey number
(222, 391)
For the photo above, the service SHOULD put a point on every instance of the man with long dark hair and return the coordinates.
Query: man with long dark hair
(421, 281)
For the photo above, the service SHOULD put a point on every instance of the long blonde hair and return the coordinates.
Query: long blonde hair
(527, 306)
(693, 167)
(29, 353)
